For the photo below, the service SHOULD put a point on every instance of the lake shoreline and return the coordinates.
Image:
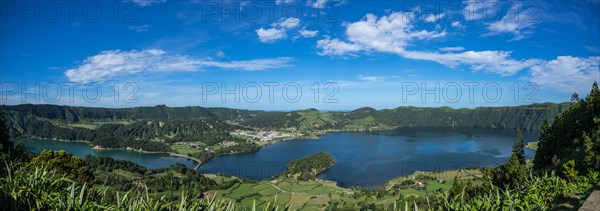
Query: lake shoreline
(96, 147)
(316, 135)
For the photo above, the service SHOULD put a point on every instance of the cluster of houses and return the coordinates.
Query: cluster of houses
(263, 136)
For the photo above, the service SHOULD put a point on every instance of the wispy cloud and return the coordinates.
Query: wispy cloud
(517, 21)
(140, 28)
(567, 73)
(336, 47)
(278, 2)
(457, 24)
(393, 33)
(320, 4)
(375, 78)
(270, 35)
(278, 31)
(117, 63)
(432, 18)
(145, 3)
(308, 33)
(452, 49)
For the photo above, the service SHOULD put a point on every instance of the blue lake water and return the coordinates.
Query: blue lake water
(148, 160)
(362, 159)
(372, 159)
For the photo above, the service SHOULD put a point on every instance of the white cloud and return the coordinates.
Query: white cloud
(252, 65)
(270, 35)
(317, 3)
(280, 29)
(117, 63)
(388, 33)
(140, 28)
(221, 54)
(432, 18)
(287, 23)
(517, 21)
(375, 78)
(320, 4)
(457, 24)
(452, 49)
(335, 47)
(308, 33)
(498, 62)
(278, 2)
(145, 3)
(567, 73)
(395, 32)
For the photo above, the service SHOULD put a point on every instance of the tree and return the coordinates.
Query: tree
(591, 151)
(572, 136)
(518, 147)
(575, 97)
(63, 162)
(514, 171)
(459, 188)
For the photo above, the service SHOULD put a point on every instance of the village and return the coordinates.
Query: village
(263, 137)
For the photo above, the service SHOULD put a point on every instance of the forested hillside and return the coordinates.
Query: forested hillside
(526, 117)
(77, 114)
(148, 135)
(155, 128)
(573, 136)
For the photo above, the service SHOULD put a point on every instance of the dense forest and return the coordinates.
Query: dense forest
(526, 117)
(156, 128)
(573, 136)
(309, 167)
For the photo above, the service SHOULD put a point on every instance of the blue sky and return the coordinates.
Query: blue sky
(296, 54)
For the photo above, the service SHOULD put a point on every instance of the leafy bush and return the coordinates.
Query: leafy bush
(569, 170)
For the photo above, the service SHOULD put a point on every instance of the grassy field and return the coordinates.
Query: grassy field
(300, 195)
(316, 194)
(94, 124)
(311, 119)
(432, 181)
(184, 149)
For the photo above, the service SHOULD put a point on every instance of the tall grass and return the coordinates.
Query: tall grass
(544, 192)
(25, 187)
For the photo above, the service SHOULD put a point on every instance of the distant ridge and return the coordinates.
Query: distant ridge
(527, 117)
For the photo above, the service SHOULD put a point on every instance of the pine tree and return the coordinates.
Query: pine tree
(542, 153)
(514, 171)
(588, 153)
(518, 147)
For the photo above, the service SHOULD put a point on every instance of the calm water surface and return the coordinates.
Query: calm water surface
(371, 159)
(148, 160)
(362, 159)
